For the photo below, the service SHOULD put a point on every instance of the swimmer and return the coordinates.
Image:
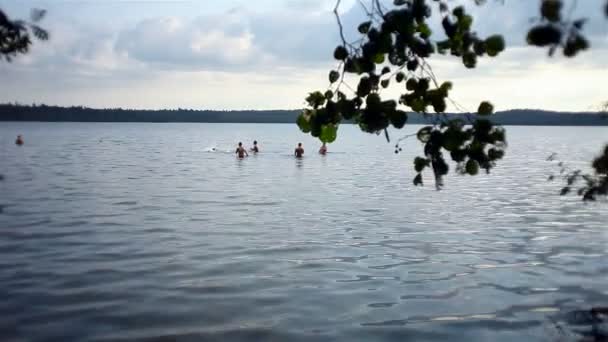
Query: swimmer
(241, 151)
(299, 152)
(19, 140)
(323, 149)
(255, 148)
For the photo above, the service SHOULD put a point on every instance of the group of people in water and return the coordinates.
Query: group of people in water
(241, 152)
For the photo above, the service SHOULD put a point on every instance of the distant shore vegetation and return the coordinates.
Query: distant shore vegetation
(47, 113)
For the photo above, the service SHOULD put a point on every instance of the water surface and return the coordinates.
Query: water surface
(138, 232)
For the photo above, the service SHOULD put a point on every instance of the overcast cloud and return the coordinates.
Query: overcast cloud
(268, 54)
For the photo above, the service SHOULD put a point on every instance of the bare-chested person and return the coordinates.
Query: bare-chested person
(323, 149)
(299, 152)
(241, 151)
(255, 148)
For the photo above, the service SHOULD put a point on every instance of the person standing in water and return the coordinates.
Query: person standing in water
(241, 151)
(255, 148)
(299, 152)
(323, 149)
(19, 140)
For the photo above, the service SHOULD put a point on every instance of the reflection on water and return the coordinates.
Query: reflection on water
(136, 231)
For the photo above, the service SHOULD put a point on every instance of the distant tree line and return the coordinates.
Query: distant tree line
(20, 112)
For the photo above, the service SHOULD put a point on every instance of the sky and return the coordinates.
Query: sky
(268, 54)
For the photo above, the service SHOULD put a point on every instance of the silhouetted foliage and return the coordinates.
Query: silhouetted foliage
(15, 35)
(588, 185)
(394, 47)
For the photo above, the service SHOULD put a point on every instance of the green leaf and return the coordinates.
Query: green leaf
(495, 154)
(446, 86)
(329, 133)
(420, 163)
(334, 76)
(458, 155)
(551, 10)
(424, 134)
(304, 123)
(423, 85)
(472, 167)
(347, 108)
(469, 59)
(425, 30)
(315, 99)
(544, 35)
(443, 45)
(485, 108)
(373, 100)
(364, 27)
(574, 45)
(418, 105)
(379, 58)
(479, 47)
(411, 84)
(439, 105)
(340, 53)
(315, 129)
(398, 118)
(418, 180)
(364, 87)
(37, 14)
(400, 77)
(494, 45)
(458, 11)
(452, 140)
(412, 65)
(465, 22)
(39, 32)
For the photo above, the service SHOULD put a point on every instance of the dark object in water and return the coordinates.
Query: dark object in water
(595, 319)
(19, 140)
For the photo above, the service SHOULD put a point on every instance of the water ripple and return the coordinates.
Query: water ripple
(114, 232)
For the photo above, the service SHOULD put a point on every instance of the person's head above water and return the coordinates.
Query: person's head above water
(299, 144)
(240, 143)
(255, 142)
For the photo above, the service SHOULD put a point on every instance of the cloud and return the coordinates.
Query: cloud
(240, 38)
(270, 59)
(204, 43)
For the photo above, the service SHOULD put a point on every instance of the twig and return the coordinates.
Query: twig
(340, 23)
(379, 7)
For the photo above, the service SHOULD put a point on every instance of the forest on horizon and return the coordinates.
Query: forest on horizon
(45, 113)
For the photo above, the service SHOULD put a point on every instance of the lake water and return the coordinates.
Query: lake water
(124, 232)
